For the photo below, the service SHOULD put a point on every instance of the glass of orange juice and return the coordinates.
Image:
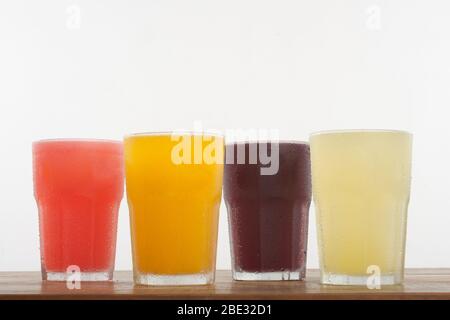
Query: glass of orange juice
(174, 189)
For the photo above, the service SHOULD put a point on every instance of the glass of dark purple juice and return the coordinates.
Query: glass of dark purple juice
(268, 206)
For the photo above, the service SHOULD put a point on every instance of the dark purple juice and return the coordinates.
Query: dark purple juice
(268, 214)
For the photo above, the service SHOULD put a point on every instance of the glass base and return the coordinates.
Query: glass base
(83, 276)
(267, 276)
(346, 280)
(149, 279)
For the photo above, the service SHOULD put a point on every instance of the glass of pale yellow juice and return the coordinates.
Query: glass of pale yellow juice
(361, 186)
(174, 189)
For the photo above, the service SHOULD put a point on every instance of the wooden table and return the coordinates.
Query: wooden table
(419, 284)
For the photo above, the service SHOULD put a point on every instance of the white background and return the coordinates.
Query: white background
(297, 66)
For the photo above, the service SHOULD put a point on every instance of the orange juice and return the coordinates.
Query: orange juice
(174, 190)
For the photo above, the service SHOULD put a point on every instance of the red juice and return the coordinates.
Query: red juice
(268, 214)
(78, 188)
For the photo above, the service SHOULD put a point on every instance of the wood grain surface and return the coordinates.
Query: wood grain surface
(419, 284)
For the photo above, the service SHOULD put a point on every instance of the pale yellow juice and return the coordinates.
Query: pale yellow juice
(361, 187)
(174, 208)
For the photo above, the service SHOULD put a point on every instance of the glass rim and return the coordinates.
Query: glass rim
(174, 133)
(90, 140)
(338, 131)
(282, 141)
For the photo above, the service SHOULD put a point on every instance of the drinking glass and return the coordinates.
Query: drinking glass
(268, 210)
(361, 186)
(174, 188)
(78, 186)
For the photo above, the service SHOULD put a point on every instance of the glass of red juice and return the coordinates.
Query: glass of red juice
(268, 210)
(78, 186)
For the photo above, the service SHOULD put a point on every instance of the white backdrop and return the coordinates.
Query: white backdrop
(104, 68)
